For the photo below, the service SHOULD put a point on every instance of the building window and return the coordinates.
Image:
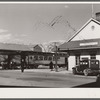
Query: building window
(40, 57)
(92, 27)
(35, 57)
(92, 56)
(50, 58)
(45, 57)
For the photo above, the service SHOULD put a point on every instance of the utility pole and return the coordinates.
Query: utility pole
(92, 10)
(56, 67)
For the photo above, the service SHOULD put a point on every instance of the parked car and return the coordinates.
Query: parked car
(87, 66)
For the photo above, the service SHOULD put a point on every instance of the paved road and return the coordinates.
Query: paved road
(44, 78)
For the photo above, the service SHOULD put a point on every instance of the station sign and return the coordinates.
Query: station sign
(89, 44)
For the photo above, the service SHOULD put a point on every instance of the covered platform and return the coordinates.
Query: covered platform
(11, 50)
(25, 53)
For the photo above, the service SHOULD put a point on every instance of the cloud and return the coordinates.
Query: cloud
(12, 38)
(3, 30)
(16, 41)
(5, 37)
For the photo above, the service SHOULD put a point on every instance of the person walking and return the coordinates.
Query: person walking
(22, 65)
(51, 65)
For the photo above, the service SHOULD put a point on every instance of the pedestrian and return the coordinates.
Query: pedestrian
(22, 65)
(51, 65)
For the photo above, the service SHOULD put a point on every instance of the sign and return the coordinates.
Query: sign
(89, 43)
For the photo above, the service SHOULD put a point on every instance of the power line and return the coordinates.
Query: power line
(55, 20)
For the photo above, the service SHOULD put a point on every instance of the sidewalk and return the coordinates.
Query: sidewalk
(42, 70)
(60, 71)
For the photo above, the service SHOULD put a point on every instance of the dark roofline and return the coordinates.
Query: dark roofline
(22, 47)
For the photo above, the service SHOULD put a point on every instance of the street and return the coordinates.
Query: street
(43, 78)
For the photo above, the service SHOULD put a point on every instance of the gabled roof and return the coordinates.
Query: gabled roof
(35, 47)
(31, 46)
(91, 19)
(75, 44)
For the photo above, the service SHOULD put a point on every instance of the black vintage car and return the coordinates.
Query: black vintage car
(87, 66)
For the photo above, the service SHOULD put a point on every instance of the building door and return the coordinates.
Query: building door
(77, 57)
(71, 62)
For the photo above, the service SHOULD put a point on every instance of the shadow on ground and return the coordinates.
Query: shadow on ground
(7, 86)
(89, 85)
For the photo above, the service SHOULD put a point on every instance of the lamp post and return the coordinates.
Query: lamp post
(56, 58)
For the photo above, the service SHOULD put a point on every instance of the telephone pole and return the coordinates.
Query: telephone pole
(56, 67)
(92, 10)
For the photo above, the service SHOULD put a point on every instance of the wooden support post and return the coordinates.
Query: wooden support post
(9, 61)
(66, 63)
(23, 62)
(27, 63)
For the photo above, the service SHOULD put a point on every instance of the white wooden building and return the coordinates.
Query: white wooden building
(84, 43)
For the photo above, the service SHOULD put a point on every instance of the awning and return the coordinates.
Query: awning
(78, 45)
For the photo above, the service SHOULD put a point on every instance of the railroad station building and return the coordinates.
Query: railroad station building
(85, 43)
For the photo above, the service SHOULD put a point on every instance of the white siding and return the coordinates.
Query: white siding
(98, 57)
(71, 62)
(88, 32)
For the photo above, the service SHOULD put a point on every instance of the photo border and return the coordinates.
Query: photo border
(56, 98)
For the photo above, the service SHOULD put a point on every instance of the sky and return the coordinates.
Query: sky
(32, 23)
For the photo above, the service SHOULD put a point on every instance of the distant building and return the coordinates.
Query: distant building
(85, 43)
(36, 48)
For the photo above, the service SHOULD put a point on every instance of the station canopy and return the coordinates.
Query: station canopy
(83, 44)
(6, 48)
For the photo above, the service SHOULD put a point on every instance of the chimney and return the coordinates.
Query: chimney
(98, 16)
